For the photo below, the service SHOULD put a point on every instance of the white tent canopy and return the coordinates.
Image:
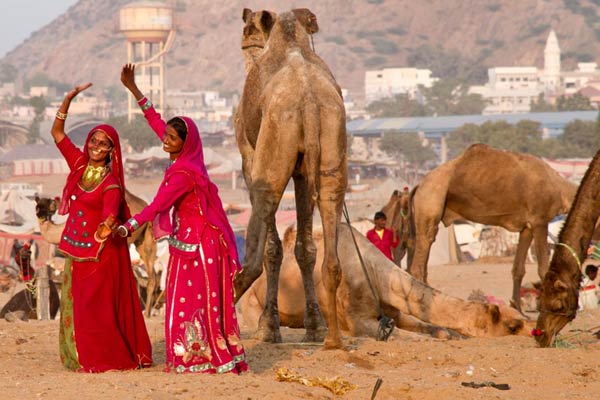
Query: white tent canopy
(17, 213)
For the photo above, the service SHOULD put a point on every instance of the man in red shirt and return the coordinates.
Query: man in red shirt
(383, 238)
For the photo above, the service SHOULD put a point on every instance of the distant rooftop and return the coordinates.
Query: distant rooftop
(553, 122)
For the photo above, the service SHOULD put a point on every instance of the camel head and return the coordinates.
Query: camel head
(45, 208)
(257, 28)
(23, 260)
(397, 210)
(398, 213)
(558, 305)
(498, 320)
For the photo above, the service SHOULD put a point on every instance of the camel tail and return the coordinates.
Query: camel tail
(311, 123)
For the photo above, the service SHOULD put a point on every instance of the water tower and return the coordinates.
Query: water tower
(148, 27)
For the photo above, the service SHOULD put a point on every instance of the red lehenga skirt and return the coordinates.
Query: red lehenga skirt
(201, 330)
(101, 326)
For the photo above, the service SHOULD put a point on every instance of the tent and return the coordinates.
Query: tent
(17, 213)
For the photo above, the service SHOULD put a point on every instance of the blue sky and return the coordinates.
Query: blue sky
(19, 18)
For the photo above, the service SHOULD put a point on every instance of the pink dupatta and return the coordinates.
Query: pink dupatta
(191, 162)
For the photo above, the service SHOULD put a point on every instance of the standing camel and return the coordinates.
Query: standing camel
(560, 286)
(143, 238)
(291, 124)
(518, 192)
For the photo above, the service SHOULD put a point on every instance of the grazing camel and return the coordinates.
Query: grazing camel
(291, 124)
(398, 213)
(518, 192)
(143, 239)
(560, 286)
(413, 305)
(23, 305)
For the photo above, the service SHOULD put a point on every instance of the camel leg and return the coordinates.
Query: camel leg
(306, 255)
(147, 250)
(331, 198)
(256, 235)
(268, 323)
(540, 241)
(426, 231)
(518, 270)
(399, 253)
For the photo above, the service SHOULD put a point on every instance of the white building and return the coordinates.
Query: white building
(509, 89)
(200, 105)
(512, 89)
(389, 82)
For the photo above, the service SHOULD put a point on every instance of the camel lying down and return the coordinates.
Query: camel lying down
(414, 305)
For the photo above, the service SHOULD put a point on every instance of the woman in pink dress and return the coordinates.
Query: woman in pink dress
(201, 329)
(101, 322)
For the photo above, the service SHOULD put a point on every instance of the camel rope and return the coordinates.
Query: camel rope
(386, 324)
(573, 253)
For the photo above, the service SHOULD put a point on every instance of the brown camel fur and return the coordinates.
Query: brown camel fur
(398, 213)
(414, 305)
(291, 124)
(560, 286)
(518, 192)
(143, 238)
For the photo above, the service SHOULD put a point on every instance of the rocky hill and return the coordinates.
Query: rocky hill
(456, 37)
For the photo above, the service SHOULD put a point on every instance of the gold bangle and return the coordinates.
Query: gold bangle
(61, 116)
(97, 239)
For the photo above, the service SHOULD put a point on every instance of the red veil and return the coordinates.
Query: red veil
(116, 168)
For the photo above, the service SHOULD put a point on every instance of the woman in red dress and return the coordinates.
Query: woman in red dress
(101, 324)
(201, 329)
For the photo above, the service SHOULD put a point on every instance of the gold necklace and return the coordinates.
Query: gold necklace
(93, 175)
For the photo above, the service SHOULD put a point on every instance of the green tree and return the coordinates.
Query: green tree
(577, 102)
(451, 97)
(540, 105)
(580, 138)
(408, 147)
(401, 105)
(39, 105)
(461, 138)
(137, 132)
(524, 137)
(528, 135)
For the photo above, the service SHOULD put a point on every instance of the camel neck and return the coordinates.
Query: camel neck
(579, 226)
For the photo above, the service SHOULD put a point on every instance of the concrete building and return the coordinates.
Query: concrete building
(509, 89)
(200, 105)
(512, 89)
(389, 82)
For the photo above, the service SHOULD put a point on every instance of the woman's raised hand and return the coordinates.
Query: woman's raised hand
(128, 80)
(77, 89)
(128, 76)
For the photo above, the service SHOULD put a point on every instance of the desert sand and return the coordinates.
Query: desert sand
(410, 366)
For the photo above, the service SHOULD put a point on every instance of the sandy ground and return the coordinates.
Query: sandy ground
(411, 366)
